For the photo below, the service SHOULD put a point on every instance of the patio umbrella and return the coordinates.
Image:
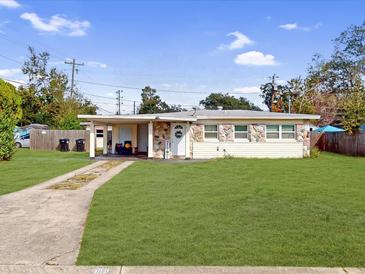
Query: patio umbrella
(329, 129)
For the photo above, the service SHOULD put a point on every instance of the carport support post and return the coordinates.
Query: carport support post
(92, 140)
(105, 140)
(150, 140)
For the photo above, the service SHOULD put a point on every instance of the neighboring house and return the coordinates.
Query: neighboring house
(204, 134)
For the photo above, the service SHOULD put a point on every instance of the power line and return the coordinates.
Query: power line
(160, 90)
(11, 59)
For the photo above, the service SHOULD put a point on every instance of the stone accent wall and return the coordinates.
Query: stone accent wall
(196, 133)
(226, 133)
(161, 132)
(256, 133)
(303, 136)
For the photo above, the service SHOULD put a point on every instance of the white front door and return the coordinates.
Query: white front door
(178, 139)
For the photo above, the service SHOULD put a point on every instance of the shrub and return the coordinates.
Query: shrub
(10, 113)
(315, 152)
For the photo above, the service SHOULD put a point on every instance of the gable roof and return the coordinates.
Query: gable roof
(237, 114)
(195, 115)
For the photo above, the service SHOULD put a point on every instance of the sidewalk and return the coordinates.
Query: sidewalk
(43, 226)
(21, 269)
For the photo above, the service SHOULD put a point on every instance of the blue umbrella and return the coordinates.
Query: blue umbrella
(329, 129)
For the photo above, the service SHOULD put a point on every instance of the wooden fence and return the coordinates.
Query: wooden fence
(49, 139)
(340, 142)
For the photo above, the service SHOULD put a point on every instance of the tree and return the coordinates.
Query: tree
(152, 103)
(46, 98)
(214, 100)
(352, 108)
(10, 113)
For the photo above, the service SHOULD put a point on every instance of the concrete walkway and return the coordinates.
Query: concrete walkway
(40, 226)
(173, 270)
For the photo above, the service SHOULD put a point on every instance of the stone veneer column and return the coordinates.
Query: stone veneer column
(256, 133)
(196, 135)
(225, 133)
(161, 132)
(302, 134)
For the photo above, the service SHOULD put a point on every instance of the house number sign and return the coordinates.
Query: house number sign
(178, 134)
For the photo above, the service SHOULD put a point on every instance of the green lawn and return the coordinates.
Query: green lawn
(30, 167)
(304, 212)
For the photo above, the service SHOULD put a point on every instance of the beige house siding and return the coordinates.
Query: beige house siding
(207, 150)
(256, 144)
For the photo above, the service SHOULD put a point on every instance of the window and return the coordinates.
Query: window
(240, 132)
(287, 131)
(99, 133)
(211, 131)
(280, 132)
(25, 136)
(272, 132)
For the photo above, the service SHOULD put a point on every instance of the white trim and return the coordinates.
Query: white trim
(266, 117)
(187, 141)
(280, 139)
(92, 141)
(138, 117)
(150, 139)
(105, 139)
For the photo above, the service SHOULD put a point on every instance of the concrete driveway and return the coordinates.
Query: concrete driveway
(41, 226)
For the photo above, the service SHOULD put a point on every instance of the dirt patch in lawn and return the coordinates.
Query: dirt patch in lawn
(82, 179)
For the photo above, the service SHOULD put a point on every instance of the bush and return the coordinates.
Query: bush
(315, 152)
(10, 113)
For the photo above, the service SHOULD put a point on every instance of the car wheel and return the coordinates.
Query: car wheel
(18, 145)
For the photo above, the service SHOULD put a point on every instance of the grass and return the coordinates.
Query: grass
(304, 212)
(30, 167)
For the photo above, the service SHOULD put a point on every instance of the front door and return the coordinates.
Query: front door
(178, 139)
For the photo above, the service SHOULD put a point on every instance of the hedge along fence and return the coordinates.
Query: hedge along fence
(340, 142)
(41, 139)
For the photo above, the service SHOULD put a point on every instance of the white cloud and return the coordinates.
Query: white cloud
(16, 83)
(295, 26)
(166, 85)
(289, 26)
(240, 41)
(12, 4)
(57, 24)
(255, 58)
(252, 89)
(96, 64)
(9, 72)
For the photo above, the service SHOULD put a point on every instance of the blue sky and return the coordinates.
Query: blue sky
(199, 46)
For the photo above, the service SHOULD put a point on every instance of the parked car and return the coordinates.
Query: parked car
(23, 141)
(22, 134)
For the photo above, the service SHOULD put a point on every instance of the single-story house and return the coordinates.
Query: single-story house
(204, 134)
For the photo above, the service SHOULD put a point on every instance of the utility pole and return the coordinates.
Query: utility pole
(74, 68)
(289, 103)
(119, 100)
(134, 107)
(273, 88)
